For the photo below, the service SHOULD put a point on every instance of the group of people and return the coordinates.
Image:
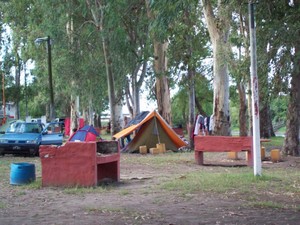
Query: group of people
(203, 125)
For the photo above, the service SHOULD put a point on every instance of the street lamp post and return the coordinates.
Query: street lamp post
(48, 40)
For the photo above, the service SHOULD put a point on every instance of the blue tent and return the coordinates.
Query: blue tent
(86, 133)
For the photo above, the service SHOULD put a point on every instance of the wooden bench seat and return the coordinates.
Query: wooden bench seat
(222, 144)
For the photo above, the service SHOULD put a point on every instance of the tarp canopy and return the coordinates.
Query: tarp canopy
(150, 131)
(86, 133)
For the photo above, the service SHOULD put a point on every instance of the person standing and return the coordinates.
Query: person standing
(128, 138)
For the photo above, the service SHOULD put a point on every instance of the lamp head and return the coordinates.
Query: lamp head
(40, 40)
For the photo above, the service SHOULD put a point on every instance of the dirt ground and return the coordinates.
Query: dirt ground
(136, 199)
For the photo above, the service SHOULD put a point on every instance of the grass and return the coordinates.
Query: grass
(275, 141)
(84, 190)
(242, 184)
(2, 205)
(238, 180)
(169, 158)
(258, 191)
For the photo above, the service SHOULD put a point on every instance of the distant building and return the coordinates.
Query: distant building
(10, 110)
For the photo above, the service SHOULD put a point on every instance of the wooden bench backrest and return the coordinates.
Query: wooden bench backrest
(222, 143)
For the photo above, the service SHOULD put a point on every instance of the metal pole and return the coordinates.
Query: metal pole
(52, 110)
(3, 99)
(26, 96)
(255, 98)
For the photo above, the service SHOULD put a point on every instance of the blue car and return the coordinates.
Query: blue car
(23, 138)
(53, 134)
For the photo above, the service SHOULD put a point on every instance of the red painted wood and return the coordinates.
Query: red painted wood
(77, 163)
(222, 144)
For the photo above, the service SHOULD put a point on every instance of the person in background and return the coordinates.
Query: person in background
(211, 124)
(199, 125)
(128, 138)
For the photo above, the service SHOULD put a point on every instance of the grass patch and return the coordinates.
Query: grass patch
(37, 184)
(275, 141)
(104, 210)
(125, 192)
(237, 182)
(84, 190)
(268, 204)
(170, 158)
(2, 205)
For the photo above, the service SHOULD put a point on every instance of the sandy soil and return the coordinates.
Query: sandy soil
(136, 199)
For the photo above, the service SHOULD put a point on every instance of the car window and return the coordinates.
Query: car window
(24, 128)
(55, 128)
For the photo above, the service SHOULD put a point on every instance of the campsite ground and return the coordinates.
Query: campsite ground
(163, 189)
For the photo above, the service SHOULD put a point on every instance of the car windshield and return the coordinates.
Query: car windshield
(24, 128)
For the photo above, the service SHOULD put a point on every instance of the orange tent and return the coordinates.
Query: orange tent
(153, 129)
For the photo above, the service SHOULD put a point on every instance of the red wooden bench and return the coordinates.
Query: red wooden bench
(222, 144)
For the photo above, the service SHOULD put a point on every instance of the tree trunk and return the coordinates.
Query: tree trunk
(218, 28)
(90, 112)
(249, 108)
(291, 141)
(243, 110)
(133, 101)
(162, 84)
(111, 87)
(18, 94)
(137, 87)
(118, 117)
(74, 116)
(97, 10)
(264, 100)
(162, 91)
(191, 75)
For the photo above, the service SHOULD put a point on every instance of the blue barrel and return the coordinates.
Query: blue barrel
(22, 173)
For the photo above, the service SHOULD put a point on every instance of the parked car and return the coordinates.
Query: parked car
(23, 138)
(53, 134)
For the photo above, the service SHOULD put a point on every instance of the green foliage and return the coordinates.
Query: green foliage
(79, 66)
(204, 93)
(279, 108)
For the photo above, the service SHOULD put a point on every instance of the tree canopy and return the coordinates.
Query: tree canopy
(105, 51)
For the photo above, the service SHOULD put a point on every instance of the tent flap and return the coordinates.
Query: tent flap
(125, 132)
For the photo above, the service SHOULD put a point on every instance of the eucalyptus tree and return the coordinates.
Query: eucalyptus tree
(160, 21)
(276, 20)
(239, 65)
(218, 17)
(291, 17)
(114, 39)
(136, 25)
(14, 16)
(280, 25)
(187, 50)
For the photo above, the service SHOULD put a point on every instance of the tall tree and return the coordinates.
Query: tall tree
(160, 65)
(188, 47)
(105, 21)
(218, 23)
(291, 142)
(136, 26)
(279, 25)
